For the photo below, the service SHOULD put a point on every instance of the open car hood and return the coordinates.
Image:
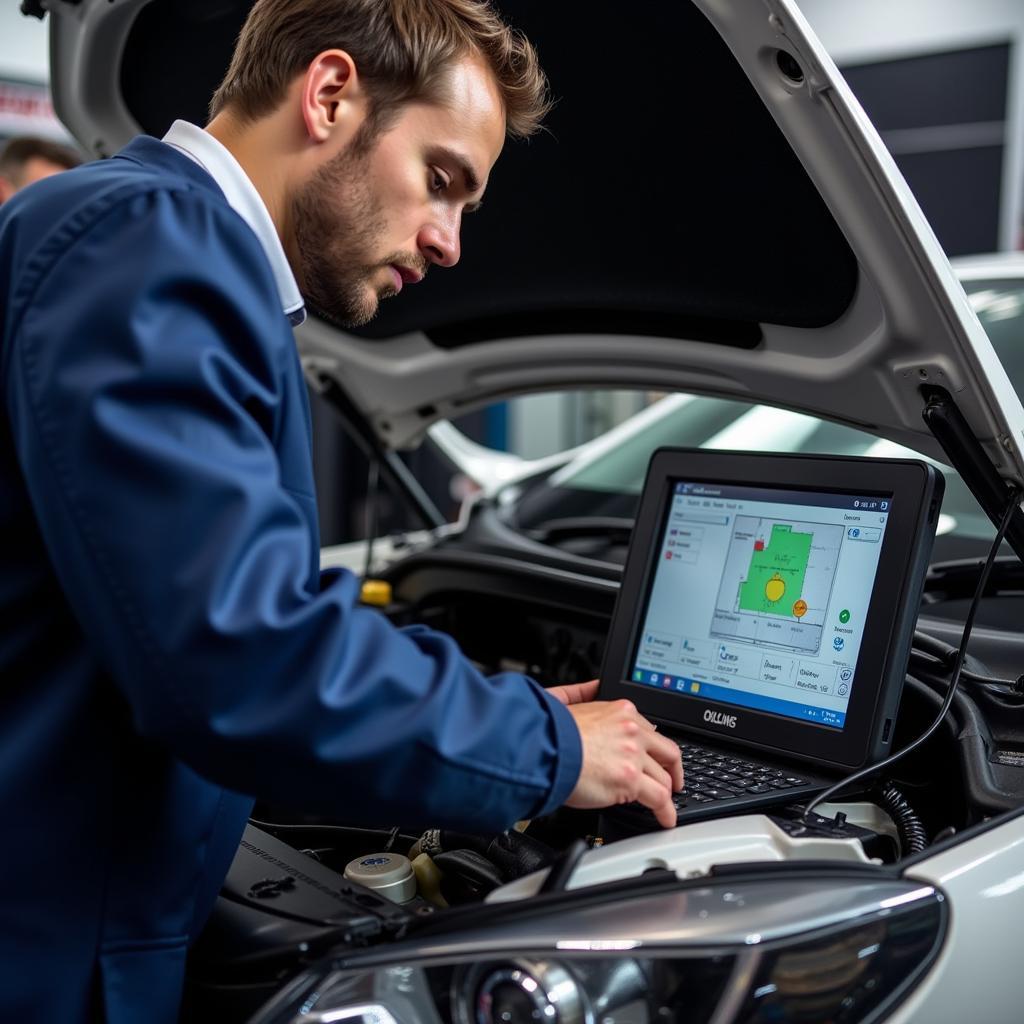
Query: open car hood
(710, 211)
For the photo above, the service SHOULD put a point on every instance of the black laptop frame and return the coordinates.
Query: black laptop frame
(914, 489)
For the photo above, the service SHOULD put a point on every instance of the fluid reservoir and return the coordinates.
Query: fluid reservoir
(389, 874)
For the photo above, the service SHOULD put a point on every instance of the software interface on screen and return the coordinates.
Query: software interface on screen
(760, 597)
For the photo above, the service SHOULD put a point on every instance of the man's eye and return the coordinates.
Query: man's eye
(438, 182)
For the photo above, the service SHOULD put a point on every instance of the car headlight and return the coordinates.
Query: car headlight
(824, 949)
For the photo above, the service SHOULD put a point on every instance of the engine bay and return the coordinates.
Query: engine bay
(300, 885)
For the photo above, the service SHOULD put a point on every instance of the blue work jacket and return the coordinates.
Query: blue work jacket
(169, 649)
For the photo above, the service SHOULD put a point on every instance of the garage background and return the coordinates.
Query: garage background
(942, 80)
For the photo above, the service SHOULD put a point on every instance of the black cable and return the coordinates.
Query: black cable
(1005, 693)
(563, 869)
(392, 837)
(1006, 698)
(325, 832)
(926, 690)
(932, 645)
(370, 525)
(871, 769)
(913, 838)
(929, 652)
(930, 664)
(932, 659)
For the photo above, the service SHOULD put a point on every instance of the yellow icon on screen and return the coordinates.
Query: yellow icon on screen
(694, 687)
(775, 588)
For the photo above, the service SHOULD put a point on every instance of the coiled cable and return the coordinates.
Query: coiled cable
(913, 838)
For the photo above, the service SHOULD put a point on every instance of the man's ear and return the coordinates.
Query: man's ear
(7, 189)
(332, 97)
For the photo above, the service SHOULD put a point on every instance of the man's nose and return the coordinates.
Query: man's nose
(440, 244)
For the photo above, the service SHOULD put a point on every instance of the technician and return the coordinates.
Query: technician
(169, 648)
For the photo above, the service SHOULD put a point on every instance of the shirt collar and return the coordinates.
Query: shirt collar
(241, 194)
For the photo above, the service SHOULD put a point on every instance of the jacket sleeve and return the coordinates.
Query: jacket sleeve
(145, 400)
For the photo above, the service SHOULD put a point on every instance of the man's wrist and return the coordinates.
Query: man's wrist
(568, 755)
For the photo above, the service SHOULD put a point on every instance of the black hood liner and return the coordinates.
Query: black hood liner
(662, 187)
(175, 57)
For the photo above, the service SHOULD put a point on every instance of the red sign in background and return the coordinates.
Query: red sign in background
(26, 109)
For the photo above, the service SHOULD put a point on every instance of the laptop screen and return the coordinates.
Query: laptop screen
(771, 599)
(760, 597)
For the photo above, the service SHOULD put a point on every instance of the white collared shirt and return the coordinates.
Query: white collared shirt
(242, 197)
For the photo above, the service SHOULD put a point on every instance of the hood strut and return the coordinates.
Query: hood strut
(966, 455)
(397, 474)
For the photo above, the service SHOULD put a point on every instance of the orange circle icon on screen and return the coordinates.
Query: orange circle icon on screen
(800, 609)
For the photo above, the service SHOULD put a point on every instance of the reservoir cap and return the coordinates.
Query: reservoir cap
(389, 874)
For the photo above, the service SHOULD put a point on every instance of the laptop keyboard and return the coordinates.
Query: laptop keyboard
(713, 775)
(719, 782)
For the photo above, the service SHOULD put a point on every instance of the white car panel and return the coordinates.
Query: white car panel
(984, 881)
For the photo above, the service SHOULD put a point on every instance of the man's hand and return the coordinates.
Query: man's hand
(624, 759)
(574, 693)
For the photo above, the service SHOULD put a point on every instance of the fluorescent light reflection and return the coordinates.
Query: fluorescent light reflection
(365, 1014)
(907, 897)
(597, 944)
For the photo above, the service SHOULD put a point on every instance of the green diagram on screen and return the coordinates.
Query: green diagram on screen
(777, 582)
(775, 579)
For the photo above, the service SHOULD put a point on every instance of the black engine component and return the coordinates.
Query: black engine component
(474, 865)
(278, 910)
(468, 876)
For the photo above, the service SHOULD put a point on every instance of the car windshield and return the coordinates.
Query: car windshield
(602, 481)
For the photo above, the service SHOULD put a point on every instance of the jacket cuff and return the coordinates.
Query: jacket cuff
(568, 755)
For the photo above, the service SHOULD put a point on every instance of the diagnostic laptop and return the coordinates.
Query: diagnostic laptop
(765, 617)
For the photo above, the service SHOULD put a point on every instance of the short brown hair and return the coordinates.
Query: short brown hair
(23, 148)
(402, 49)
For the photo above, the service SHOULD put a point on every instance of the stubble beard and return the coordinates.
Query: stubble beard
(338, 224)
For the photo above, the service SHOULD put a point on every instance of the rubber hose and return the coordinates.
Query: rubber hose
(512, 853)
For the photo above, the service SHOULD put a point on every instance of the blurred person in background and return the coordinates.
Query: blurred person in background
(26, 159)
